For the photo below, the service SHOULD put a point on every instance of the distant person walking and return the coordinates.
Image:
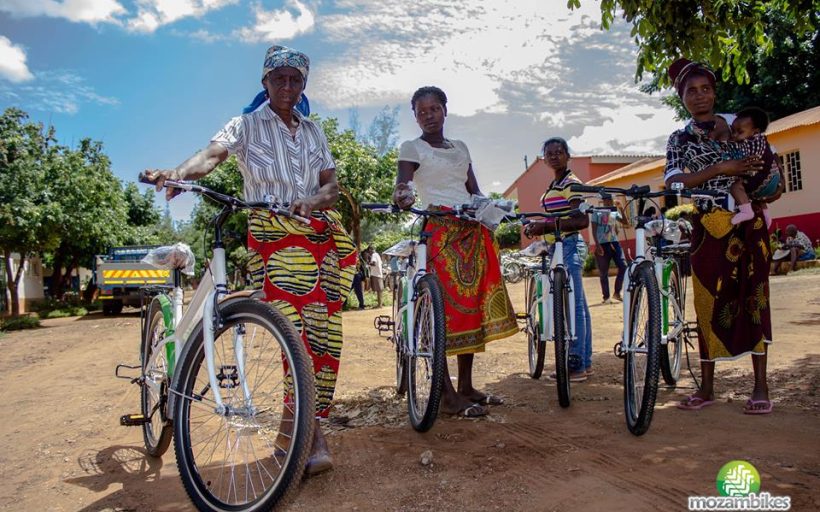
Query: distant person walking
(607, 247)
(374, 263)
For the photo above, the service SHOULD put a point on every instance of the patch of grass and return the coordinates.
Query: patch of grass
(51, 308)
(805, 271)
(64, 312)
(370, 300)
(19, 323)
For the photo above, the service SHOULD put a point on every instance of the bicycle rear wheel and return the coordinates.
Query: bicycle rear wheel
(251, 457)
(672, 351)
(642, 350)
(425, 369)
(157, 431)
(562, 334)
(536, 345)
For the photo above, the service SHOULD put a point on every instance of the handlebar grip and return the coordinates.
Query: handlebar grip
(707, 192)
(578, 187)
(636, 190)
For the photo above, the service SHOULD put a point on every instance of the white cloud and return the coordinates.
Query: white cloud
(278, 24)
(84, 11)
(552, 70)
(57, 91)
(467, 47)
(151, 14)
(13, 62)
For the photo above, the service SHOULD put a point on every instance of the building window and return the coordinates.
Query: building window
(794, 175)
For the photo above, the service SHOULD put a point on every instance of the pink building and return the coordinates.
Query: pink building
(528, 188)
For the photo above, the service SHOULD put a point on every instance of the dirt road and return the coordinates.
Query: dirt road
(63, 449)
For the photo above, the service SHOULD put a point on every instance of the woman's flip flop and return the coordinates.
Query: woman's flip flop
(694, 403)
(751, 404)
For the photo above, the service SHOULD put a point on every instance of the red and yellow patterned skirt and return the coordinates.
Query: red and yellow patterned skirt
(306, 272)
(464, 257)
(730, 276)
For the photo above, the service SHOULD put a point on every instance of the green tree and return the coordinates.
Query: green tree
(726, 34)
(93, 211)
(383, 133)
(140, 207)
(29, 218)
(782, 81)
(364, 175)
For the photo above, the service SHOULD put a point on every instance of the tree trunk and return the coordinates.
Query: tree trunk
(357, 217)
(13, 281)
(56, 290)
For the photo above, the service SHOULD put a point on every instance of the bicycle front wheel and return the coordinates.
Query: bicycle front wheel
(561, 333)
(252, 455)
(425, 368)
(642, 350)
(536, 345)
(398, 337)
(157, 431)
(672, 351)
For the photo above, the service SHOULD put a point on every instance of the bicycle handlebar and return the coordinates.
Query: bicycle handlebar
(461, 211)
(644, 191)
(226, 200)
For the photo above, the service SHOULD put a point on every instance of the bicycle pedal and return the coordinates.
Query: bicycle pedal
(133, 420)
(383, 323)
(127, 367)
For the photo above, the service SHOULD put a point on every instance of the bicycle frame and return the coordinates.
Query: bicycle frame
(416, 269)
(544, 293)
(185, 323)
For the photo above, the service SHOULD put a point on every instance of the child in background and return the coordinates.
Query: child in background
(747, 140)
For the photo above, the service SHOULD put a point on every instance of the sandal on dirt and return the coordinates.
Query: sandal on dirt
(694, 403)
(472, 411)
(573, 376)
(752, 404)
(490, 400)
(318, 463)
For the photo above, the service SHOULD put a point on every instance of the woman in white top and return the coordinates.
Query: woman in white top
(462, 254)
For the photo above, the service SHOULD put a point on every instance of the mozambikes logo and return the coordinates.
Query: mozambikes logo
(738, 486)
(738, 478)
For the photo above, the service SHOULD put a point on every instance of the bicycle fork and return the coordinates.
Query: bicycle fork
(209, 326)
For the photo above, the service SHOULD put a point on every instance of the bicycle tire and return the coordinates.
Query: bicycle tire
(429, 331)
(536, 345)
(672, 351)
(640, 391)
(202, 476)
(401, 360)
(561, 332)
(157, 433)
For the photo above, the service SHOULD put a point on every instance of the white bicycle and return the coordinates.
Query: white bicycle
(550, 313)
(230, 378)
(644, 340)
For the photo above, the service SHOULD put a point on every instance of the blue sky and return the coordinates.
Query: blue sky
(154, 79)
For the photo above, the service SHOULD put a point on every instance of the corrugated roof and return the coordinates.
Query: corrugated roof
(639, 167)
(804, 118)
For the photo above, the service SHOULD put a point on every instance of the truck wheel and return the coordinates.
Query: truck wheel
(112, 307)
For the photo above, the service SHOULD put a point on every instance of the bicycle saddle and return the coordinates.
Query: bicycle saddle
(536, 249)
(172, 257)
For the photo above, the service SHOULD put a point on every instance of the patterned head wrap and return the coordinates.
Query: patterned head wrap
(682, 69)
(282, 56)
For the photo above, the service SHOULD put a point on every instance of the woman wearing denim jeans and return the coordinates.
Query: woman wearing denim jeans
(559, 198)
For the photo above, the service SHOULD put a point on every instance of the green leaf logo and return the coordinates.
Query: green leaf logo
(738, 478)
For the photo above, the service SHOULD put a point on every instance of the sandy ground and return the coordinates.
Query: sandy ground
(64, 450)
